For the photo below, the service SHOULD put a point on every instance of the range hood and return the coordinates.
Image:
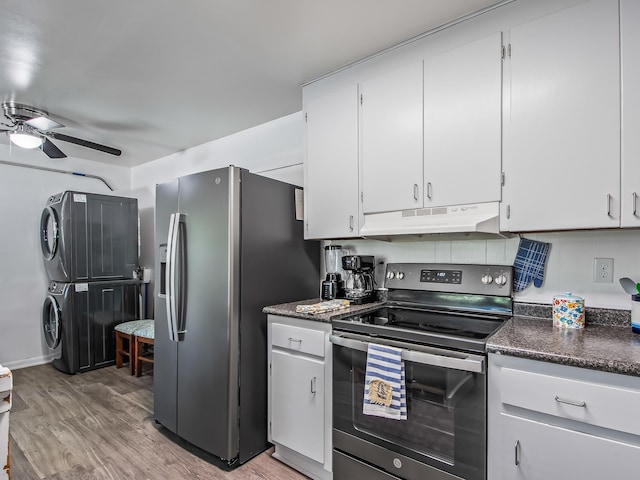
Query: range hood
(456, 221)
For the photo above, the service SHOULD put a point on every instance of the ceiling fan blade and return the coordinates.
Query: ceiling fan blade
(43, 123)
(51, 150)
(86, 143)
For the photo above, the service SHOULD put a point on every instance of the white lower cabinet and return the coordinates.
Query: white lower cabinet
(549, 421)
(300, 394)
(539, 451)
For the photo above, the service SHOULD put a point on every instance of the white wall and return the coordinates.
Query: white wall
(23, 280)
(273, 149)
(569, 264)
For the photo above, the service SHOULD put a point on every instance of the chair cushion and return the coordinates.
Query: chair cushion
(145, 330)
(130, 328)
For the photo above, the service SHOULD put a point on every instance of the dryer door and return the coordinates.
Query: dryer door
(49, 233)
(51, 322)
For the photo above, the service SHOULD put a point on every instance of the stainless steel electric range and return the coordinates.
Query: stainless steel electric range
(441, 316)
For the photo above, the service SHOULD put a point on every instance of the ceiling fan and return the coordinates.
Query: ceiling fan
(29, 127)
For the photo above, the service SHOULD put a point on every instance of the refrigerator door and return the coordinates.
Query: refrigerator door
(207, 379)
(165, 378)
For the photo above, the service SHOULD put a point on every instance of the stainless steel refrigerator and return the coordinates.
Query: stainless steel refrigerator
(228, 244)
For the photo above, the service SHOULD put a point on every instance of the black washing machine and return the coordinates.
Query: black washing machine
(78, 320)
(89, 237)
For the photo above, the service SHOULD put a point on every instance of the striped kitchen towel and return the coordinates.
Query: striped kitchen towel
(385, 392)
(529, 264)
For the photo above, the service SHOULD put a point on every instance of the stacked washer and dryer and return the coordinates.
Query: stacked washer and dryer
(90, 248)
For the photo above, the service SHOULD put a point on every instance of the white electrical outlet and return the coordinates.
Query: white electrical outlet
(603, 270)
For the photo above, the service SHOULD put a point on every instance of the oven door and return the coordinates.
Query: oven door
(444, 436)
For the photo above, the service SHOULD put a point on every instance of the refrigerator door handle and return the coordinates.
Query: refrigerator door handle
(180, 265)
(170, 279)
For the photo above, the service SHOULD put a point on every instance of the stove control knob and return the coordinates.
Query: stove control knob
(501, 280)
(399, 275)
(390, 275)
(486, 279)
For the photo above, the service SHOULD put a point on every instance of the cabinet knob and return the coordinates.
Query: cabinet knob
(634, 203)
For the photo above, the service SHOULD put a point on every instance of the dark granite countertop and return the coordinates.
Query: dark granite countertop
(289, 310)
(606, 347)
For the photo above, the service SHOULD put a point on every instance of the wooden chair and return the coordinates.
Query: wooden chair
(143, 350)
(125, 333)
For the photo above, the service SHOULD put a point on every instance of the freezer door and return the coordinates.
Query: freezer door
(165, 383)
(207, 384)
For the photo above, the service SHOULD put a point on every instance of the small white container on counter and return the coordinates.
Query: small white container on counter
(635, 313)
(568, 311)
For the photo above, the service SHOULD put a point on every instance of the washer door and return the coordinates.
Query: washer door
(51, 322)
(49, 231)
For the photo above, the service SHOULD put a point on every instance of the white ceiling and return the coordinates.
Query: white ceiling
(153, 77)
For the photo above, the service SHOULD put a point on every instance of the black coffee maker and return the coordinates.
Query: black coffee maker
(358, 288)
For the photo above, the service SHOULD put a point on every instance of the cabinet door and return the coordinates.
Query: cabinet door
(331, 165)
(563, 149)
(630, 54)
(391, 140)
(297, 403)
(463, 124)
(536, 451)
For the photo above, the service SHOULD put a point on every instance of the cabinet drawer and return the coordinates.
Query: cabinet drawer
(298, 339)
(593, 403)
(535, 451)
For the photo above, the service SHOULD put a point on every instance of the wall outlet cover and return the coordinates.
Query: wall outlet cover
(603, 270)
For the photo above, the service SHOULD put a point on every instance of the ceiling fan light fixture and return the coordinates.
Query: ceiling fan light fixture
(25, 137)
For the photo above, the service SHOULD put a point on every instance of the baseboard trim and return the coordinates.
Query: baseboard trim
(30, 362)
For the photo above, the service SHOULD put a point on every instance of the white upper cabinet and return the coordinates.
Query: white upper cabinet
(630, 45)
(331, 165)
(391, 140)
(462, 124)
(562, 150)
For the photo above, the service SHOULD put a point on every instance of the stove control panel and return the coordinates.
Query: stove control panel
(441, 276)
(457, 278)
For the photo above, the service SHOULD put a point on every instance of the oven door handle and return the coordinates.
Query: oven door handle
(467, 363)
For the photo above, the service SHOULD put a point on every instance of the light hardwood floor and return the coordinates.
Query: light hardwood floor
(99, 425)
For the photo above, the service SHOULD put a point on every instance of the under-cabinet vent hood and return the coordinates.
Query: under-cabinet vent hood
(456, 221)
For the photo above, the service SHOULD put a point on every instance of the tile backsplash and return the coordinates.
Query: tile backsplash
(569, 266)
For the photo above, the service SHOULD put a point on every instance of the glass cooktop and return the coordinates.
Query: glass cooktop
(455, 330)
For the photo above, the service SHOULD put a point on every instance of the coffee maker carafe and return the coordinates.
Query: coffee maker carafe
(359, 282)
(333, 284)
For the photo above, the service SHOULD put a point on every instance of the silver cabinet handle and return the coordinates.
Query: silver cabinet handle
(609, 204)
(570, 402)
(429, 190)
(351, 222)
(291, 339)
(313, 385)
(516, 452)
(415, 191)
(635, 202)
